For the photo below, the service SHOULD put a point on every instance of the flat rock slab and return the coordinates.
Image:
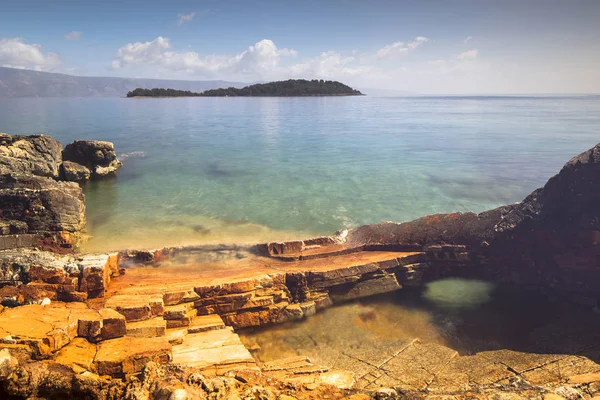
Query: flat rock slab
(207, 340)
(413, 366)
(175, 280)
(417, 365)
(47, 328)
(215, 357)
(302, 370)
(79, 355)
(319, 252)
(124, 356)
(215, 348)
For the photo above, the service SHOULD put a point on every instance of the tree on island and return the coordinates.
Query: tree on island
(291, 87)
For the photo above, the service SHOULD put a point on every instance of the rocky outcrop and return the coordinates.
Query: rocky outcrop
(41, 207)
(30, 155)
(552, 238)
(36, 208)
(30, 276)
(95, 158)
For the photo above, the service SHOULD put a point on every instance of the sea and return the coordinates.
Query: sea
(246, 170)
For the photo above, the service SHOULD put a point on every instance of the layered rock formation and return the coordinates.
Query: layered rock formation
(552, 238)
(30, 155)
(30, 276)
(36, 208)
(39, 209)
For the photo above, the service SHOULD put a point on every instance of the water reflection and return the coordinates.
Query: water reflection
(458, 294)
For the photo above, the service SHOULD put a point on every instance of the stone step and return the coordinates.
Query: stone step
(311, 253)
(179, 311)
(183, 322)
(180, 315)
(149, 328)
(213, 349)
(235, 354)
(136, 307)
(206, 323)
(208, 339)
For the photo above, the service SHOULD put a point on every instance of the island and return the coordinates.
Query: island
(289, 88)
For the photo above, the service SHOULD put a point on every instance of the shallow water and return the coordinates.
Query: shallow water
(468, 316)
(200, 170)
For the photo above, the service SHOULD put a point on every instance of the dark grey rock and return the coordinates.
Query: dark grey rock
(98, 156)
(34, 204)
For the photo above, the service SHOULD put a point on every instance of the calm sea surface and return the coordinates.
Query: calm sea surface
(199, 170)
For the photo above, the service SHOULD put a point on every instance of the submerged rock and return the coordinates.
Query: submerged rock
(97, 156)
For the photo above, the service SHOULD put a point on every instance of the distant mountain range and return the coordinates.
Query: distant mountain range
(27, 83)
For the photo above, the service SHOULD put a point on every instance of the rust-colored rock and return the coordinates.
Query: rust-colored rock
(124, 356)
(78, 355)
(96, 272)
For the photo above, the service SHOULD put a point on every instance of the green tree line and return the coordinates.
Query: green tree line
(292, 87)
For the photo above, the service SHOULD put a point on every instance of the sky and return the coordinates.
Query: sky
(421, 46)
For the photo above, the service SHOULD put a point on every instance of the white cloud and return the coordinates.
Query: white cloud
(183, 18)
(143, 52)
(260, 60)
(16, 54)
(467, 39)
(469, 55)
(288, 52)
(74, 35)
(398, 48)
(327, 65)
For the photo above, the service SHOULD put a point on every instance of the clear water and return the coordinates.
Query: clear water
(469, 316)
(203, 170)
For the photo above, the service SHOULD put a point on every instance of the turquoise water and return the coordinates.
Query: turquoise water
(247, 169)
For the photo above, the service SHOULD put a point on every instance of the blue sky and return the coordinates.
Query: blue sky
(480, 46)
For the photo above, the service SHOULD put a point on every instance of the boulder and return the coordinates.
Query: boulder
(97, 156)
(73, 172)
(30, 155)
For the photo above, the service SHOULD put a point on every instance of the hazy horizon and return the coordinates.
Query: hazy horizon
(377, 92)
(427, 47)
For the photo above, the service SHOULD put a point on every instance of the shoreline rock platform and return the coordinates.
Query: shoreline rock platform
(144, 324)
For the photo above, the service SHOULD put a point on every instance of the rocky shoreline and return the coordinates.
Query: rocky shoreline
(162, 324)
(42, 205)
